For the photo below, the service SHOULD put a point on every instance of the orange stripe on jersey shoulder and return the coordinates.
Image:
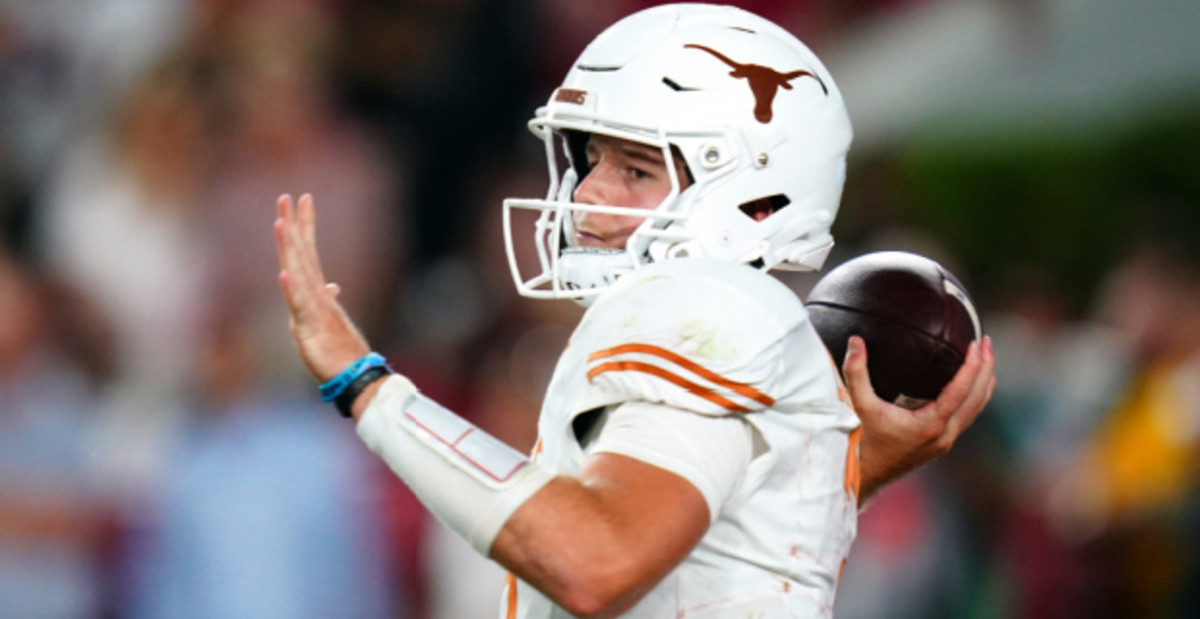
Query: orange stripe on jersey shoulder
(688, 364)
(693, 388)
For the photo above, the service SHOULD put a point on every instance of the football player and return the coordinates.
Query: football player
(698, 454)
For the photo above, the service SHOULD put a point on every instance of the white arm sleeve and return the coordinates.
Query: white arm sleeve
(467, 478)
(713, 453)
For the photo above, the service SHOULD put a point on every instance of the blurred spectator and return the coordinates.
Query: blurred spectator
(907, 556)
(53, 519)
(265, 507)
(119, 223)
(1132, 496)
(451, 82)
(284, 134)
(1060, 374)
(65, 64)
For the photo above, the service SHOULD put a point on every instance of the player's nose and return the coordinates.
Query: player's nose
(596, 187)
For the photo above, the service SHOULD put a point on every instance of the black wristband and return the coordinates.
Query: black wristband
(345, 400)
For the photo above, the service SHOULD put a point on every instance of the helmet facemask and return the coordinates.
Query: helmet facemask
(570, 271)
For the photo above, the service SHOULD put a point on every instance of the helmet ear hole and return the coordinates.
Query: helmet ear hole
(762, 208)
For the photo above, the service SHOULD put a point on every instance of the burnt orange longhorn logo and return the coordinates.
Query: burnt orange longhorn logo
(764, 82)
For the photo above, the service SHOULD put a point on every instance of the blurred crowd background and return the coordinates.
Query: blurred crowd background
(163, 454)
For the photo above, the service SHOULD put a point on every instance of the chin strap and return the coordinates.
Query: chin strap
(588, 268)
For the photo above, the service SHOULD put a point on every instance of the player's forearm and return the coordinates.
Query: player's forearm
(874, 476)
(453, 467)
(884, 458)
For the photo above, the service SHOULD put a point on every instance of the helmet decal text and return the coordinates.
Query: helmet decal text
(570, 95)
(764, 82)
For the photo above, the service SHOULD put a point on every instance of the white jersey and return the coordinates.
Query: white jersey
(717, 339)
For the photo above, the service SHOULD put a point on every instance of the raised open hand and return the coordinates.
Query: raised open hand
(896, 440)
(327, 340)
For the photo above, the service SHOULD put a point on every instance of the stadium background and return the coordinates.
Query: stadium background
(161, 454)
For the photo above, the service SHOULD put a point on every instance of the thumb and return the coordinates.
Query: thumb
(854, 368)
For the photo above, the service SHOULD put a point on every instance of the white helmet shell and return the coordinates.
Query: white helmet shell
(752, 111)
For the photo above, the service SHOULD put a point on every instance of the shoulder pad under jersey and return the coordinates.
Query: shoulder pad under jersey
(694, 334)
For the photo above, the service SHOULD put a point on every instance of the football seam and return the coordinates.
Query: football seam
(892, 322)
(920, 368)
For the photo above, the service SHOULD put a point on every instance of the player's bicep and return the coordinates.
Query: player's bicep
(656, 511)
(606, 536)
(712, 454)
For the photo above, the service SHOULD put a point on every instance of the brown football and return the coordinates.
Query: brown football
(915, 317)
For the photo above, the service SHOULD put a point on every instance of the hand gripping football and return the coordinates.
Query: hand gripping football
(915, 317)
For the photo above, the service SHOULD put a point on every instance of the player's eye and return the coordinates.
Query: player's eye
(640, 174)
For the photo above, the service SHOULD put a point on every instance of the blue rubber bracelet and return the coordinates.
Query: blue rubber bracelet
(336, 385)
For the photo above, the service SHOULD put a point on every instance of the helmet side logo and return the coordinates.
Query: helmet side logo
(764, 82)
(570, 95)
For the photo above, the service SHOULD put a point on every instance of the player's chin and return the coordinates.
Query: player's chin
(593, 241)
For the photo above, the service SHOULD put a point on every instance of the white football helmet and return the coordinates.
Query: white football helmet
(751, 110)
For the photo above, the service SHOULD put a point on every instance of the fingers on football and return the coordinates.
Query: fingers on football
(985, 382)
(973, 391)
(959, 388)
(854, 367)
